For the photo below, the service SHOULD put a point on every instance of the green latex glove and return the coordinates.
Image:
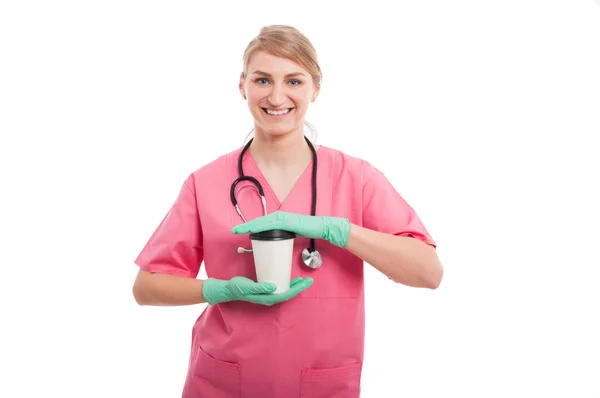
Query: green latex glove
(336, 230)
(240, 288)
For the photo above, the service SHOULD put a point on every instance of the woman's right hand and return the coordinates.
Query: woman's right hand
(240, 288)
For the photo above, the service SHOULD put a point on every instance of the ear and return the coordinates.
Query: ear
(315, 94)
(241, 85)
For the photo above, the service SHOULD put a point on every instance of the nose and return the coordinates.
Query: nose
(277, 95)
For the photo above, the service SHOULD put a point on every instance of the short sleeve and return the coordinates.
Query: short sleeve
(175, 247)
(384, 210)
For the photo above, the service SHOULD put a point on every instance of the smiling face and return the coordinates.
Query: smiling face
(279, 92)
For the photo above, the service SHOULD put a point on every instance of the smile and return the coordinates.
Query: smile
(277, 112)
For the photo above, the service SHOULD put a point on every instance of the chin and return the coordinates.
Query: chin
(278, 131)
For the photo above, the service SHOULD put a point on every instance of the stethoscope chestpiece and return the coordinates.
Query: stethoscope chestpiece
(312, 259)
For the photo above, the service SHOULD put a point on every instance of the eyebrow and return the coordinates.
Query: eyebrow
(260, 72)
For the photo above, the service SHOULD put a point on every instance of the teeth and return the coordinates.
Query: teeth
(277, 113)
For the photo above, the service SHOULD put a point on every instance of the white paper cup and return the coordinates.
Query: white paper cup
(272, 252)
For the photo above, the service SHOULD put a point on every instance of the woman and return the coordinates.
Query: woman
(307, 342)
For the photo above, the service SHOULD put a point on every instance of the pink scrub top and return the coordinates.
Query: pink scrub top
(310, 346)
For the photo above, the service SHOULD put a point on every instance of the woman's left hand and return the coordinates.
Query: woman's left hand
(336, 230)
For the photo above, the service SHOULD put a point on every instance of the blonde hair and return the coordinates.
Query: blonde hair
(286, 42)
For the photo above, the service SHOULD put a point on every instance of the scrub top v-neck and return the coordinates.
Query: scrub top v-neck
(251, 168)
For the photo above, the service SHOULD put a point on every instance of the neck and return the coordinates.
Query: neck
(279, 152)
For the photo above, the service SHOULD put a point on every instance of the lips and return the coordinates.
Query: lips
(277, 112)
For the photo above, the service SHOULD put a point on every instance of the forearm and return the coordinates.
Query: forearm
(405, 260)
(167, 290)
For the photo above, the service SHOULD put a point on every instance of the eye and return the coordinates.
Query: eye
(261, 80)
(295, 82)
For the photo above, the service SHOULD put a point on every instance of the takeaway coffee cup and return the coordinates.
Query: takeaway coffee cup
(272, 252)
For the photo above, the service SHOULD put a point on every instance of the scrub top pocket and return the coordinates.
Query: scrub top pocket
(340, 382)
(210, 377)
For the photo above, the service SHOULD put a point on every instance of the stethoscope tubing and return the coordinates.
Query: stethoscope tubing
(307, 252)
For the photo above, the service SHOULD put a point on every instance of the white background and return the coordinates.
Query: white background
(483, 114)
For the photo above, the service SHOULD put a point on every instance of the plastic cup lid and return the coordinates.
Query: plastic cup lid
(273, 234)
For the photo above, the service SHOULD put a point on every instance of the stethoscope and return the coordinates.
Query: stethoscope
(311, 257)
